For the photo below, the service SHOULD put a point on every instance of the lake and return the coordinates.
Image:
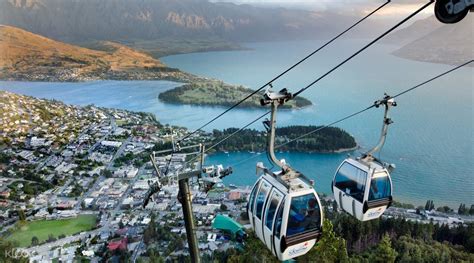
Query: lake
(431, 140)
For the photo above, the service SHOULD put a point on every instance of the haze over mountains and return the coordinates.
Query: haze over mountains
(76, 20)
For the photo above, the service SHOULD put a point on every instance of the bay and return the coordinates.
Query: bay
(431, 140)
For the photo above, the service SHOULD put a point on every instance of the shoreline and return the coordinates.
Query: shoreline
(342, 150)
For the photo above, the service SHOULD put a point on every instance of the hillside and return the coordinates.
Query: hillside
(418, 29)
(22, 116)
(27, 56)
(448, 44)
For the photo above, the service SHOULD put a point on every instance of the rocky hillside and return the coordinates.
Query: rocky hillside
(448, 44)
(27, 56)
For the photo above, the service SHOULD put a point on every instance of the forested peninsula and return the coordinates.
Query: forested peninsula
(218, 93)
(330, 139)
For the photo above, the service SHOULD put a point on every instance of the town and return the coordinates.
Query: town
(90, 167)
(73, 182)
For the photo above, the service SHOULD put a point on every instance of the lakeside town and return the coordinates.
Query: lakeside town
(73, 181)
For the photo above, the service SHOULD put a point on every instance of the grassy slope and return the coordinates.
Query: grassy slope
(27, 56)
(43, 228)
(19, 47)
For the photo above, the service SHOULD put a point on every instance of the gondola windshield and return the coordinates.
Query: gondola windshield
(304, 215)
(351, 180)
(380, 187)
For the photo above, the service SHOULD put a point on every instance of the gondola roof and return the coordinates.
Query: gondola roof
(291, 181)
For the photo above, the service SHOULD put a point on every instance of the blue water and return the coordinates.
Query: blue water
(431, 141)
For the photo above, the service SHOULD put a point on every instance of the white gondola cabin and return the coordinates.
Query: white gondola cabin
(283, 207)
(286, 213)
(362, 188)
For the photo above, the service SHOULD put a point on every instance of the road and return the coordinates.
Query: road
(12, 180)
(114, 126)
(44, 248)
(116, 210)
(100, 178)
(119, 152)
(88, 193)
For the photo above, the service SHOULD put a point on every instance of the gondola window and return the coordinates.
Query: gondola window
(379, 187)
(279, 219)
(351, 180)
(304, 215)
(252, 197)
(262, 194)
(272, 209)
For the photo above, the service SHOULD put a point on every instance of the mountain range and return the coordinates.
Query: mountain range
(163, 27)
(76, 20)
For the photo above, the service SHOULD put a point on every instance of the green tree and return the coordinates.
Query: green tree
(429, 205)
(444, 209)
(150, 231)
(330, 248)
(51, 238)
(253, 251)
(107, 173)
(34, 241)
(154, 257)
(223, 207)
(384, 252)
(21, 215)
(462, 209)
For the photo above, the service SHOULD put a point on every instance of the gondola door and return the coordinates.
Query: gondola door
(351, 182)
(251, 203)
(260, 203)
(269, 219)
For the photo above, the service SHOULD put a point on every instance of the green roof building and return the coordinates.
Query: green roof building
(228, 224)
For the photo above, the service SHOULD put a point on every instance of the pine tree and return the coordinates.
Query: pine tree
(384, 252)
(329, 248)
(34, 241)
(21, 215)
(462, 209)
(427, 205)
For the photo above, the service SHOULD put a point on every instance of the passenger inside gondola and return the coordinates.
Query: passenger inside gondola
(313, 216)
(379, 188)
(304, 215)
